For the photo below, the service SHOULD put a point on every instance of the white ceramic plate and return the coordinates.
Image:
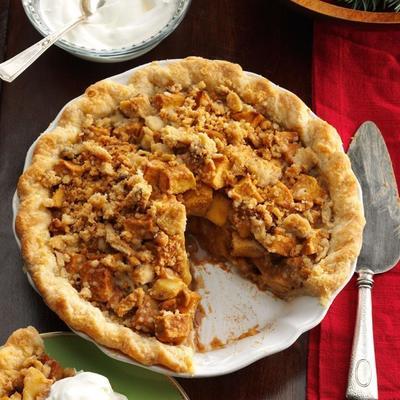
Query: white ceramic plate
(233, 307)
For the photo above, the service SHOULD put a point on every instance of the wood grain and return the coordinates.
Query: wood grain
(264, 37)
(4, 8)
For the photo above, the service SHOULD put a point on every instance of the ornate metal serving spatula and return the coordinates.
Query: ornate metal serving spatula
(380, 251)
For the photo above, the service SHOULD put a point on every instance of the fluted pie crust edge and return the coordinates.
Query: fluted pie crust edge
(103, 98)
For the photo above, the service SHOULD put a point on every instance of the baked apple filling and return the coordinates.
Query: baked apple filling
(193, 147)
(121, 195)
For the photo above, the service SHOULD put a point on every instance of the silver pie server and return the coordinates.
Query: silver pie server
(12, 68)
(380, 251)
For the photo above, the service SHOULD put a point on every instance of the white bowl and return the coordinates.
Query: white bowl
(233, 306)
(32, 10)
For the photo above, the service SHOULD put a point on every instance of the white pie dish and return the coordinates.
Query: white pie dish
(236, 307)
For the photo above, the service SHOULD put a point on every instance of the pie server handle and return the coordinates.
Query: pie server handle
(362, 383)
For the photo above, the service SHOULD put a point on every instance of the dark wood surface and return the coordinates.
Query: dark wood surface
(263, 36)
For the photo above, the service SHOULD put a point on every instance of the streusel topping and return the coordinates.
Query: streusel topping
(121, 196)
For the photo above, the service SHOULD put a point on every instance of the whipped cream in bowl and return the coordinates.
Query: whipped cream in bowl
(118, 24)
(84, 386)
(118, 31)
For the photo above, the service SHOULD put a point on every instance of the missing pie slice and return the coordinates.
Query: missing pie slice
(26, 371)
(194, 146)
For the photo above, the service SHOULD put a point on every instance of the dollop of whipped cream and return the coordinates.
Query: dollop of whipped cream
(84, 386)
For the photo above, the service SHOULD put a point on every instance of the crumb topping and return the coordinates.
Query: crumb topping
(121, 196)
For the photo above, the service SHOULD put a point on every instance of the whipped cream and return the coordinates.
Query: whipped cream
(84, 386)
(119, 23)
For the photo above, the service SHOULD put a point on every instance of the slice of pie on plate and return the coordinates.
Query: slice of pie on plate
(26, 371)
(194, 146)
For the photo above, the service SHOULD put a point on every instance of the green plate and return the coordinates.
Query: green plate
(134, 382)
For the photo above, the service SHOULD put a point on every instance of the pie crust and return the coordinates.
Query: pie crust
(26, 371)
(245, 159)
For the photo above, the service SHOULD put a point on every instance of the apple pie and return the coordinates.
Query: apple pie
(194, 146)
(26, 371)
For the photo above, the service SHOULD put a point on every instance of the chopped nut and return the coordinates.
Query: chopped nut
(316, 243)
(160, 148)
(96, 150)
(147, 138)
(197, 142)
(69, 167)
(140, 192)
(143, 274)
(297, 225)
(115, 262)
(154, 122)
(234, 102)
(107, 169)
(306, 158)
(116, 242)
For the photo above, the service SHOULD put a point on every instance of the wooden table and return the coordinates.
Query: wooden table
(263, 36)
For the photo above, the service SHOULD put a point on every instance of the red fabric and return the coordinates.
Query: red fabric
(356, 77)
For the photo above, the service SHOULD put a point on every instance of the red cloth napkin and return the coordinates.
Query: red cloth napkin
(356, 77)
